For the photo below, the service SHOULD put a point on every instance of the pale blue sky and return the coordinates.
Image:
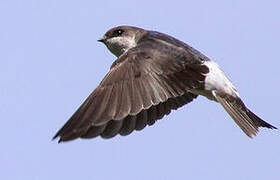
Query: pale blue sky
(50, 61)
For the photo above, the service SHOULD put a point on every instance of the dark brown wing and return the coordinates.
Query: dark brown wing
(141, 87)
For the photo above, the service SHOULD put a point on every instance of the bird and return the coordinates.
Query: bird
(154, 74)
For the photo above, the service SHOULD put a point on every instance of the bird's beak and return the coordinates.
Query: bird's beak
(101, 40)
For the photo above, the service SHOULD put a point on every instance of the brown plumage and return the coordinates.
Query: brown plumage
(153, 75)
(135, 93)
(244, 118)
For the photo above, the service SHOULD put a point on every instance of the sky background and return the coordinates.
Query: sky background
(50, 61)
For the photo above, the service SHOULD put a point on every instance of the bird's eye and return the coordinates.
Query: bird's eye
(118, 32)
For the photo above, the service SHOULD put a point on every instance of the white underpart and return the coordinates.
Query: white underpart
(216, 80)
(119, 45)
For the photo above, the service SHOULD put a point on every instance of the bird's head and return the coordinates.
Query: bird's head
(122, 38)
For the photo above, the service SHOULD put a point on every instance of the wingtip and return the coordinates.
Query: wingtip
(59, 141)
(272, 127)
(55, 137)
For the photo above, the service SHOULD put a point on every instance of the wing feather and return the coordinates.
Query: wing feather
(141, 87)
(142, 119)
(128, 125)
(94, 131)
(112, 129)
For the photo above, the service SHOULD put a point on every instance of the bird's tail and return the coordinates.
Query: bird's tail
(244, 118)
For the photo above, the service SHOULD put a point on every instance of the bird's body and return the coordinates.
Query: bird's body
(154, 74)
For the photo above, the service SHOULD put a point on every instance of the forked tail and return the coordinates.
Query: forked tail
(244, 118)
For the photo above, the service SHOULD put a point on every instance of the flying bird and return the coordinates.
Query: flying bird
(153, 74)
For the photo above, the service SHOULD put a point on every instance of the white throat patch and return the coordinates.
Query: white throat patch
(121, 44)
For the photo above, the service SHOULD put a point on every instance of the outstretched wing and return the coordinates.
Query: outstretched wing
(141, 87)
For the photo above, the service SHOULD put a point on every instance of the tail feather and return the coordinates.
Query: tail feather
(244, 118)
(258, 121)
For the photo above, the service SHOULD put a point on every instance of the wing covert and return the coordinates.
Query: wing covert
(142, 86)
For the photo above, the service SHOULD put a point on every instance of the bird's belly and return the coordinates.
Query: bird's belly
(216, 80)
(206, 93)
